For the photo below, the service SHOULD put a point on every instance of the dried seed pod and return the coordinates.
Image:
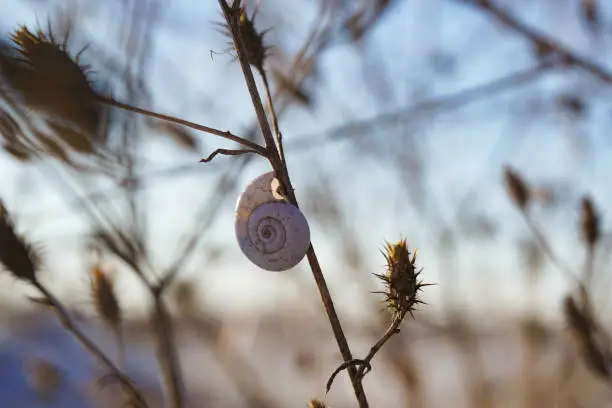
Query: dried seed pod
(103, 292)
(589, 222)
(17, 255)
(517, 188)
(271, 232)
(401, 279)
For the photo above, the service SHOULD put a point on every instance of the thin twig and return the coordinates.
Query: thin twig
(356, 362)
(64, 317)
(546, 248)
(119, 336)
(228, 152)
(277, 132)
(365, 365)
(167, 352)
(224, 134)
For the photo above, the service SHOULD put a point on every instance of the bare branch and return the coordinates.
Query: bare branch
(365, 365)
(229, 152)
(224, 134)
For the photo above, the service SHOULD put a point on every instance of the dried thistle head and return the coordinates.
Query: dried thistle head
(103, 292)
(17, 255)
(49, 80)
(589, 222)
(253, 40)
(517, 188)
(315, 403)
(401, 280)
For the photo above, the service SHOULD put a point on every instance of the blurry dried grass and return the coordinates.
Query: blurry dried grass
(460, 331)
(48, 103)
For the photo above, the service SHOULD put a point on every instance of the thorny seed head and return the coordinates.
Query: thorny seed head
(50, 80)
(316, 404)
(257, 51)
(589, 222)
(17, 255)
(517, 188)
(401, 280)
(103, 291)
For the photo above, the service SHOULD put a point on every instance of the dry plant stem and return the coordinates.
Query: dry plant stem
(120, 347)
(279, 135)
(90, 346)
(587, 277)
(166, 353)
(224, 134)
(537, 38)
(545, 246)
(231, 16)
(365, 365)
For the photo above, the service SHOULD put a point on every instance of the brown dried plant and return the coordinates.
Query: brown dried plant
(250, 51)
(402, 286)
(17, 256)
(401, 283)
(50, 106)
(594, 341)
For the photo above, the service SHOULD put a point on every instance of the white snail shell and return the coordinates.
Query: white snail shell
(271, 232)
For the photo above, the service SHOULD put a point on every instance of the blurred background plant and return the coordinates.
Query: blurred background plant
(475, 129)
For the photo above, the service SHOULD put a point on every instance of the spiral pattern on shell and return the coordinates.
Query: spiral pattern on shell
(271, 232)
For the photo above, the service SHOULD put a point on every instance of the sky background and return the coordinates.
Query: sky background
(463, 151)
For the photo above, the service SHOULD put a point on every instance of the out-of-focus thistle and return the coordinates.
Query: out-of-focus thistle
(16, 255)
(517, 188)
(253, 40)
(103, 292)
(589, 222)
(41, 76)
(402, 284)
(49, 79)
(316, 404)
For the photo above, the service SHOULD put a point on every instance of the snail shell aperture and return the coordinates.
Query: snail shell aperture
(271, 232)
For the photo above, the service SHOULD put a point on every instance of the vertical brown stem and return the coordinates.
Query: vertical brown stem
(281, 170)
(166, 353)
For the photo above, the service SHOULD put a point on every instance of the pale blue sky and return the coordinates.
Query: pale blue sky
(457, 145)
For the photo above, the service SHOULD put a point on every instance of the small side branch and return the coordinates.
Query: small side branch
(365, 365)
(230, 152)
(362, 364)
(224, 134)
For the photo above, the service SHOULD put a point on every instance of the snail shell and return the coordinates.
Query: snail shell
(271, 232)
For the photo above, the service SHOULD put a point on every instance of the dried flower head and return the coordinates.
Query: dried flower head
(17, 255)
(103, 292)
(589, 222)
(517, 188)
(50, 81)
(42, 77)
(253, 40)
(401, 279)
